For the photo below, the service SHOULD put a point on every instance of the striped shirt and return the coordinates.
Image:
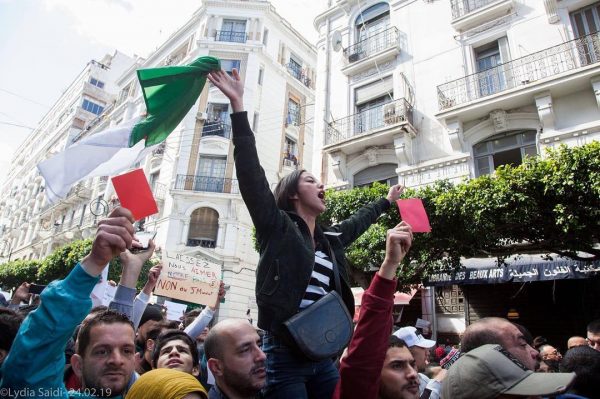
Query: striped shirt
(320, 280)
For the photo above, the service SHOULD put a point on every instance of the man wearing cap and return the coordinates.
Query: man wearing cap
(418, 347)
(490, 371)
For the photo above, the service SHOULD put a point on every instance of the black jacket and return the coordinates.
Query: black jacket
(286, 248)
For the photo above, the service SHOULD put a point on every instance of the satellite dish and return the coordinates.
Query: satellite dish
(336, 40)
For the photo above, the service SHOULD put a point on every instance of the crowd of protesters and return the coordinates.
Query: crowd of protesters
(64, 347)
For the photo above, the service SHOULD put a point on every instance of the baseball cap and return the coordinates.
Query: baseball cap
(410, 336)
(490, 370)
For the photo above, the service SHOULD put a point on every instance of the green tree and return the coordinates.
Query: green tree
(548, 206)
(15, 272)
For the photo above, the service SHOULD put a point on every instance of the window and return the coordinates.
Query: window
(383, 173)
(211, 174)
(261, 73)
(204, 227)
(265, 36)
(293, 117)
(97, 83)
(153, 179)
(369, 23)
(585, 22)
(491, 79)
(290, 152)
(215, 124)
(232, 30)
(369, 101)
(228, 65)
(505, 149)
(92, 107)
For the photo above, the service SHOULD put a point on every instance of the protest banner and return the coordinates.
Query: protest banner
(189, 278)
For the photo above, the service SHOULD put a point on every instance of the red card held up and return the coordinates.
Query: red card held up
(135, 194)
(413, 212)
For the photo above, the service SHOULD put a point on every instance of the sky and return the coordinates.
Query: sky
(44, 44)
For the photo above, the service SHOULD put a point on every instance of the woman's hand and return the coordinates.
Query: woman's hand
(398, 242)
(394, 193)
(232, 86)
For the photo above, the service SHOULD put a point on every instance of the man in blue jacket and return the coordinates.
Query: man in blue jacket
(34, 366)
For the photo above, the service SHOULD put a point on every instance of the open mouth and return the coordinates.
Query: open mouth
(321, 195)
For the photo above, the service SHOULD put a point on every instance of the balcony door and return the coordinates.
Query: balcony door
(490, 76)
(586, 24)
(369, 24)
(233, 30)
(211, 174)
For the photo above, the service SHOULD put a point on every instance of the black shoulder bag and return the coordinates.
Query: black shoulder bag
(324, 329)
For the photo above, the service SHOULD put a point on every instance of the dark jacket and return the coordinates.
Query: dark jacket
(286, 248)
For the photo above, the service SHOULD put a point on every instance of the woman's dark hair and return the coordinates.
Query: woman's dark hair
(286, 188)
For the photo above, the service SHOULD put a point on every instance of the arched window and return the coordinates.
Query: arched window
(505, 149)
(373, 20)
(204, 227)
(384, 173)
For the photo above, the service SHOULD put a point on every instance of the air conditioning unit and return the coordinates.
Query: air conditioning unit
(389, 114)
(353, 57)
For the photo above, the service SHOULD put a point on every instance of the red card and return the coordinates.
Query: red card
(135, 194)
(413, 212)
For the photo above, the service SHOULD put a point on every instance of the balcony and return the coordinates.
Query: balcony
(219, 129)
(373, 126)
(159, 191)
(563, 67)
(298, 72)
(467, 14)
(230, 36)
(206, 184)
(378, 48)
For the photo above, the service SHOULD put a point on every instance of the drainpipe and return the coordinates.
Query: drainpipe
(326, 91)
(428, 309)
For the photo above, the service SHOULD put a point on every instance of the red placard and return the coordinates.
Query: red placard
(135, 194)
(413, 212)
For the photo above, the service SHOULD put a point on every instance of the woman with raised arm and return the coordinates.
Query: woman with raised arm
(295, 268)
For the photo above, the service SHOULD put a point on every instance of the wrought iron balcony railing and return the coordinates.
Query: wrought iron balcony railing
(231, 36)
(463, 7)
(377, 117)
(298, 72)
(216, 129)
(552, 61)
(372, 45)
(207, 184)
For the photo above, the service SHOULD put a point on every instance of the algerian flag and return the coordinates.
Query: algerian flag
(169, 94)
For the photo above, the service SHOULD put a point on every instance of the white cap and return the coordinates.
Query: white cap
(410, 336)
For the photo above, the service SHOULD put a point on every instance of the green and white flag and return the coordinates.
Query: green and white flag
(169, 94)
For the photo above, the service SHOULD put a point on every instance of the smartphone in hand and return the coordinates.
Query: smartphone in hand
(36, 288)
(143, 237)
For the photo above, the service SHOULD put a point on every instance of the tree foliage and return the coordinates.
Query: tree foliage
(57, 265)
(547, 206)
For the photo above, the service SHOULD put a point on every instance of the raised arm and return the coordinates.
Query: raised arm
(36, 359)
(367, 350)
(357, 224)
(252, 180)
(125, 293)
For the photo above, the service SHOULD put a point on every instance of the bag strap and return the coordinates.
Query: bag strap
(336, 274)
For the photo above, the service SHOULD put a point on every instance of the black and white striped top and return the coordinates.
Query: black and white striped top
(321, 280)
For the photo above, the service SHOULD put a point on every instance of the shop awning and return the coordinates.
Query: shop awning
(524, 268)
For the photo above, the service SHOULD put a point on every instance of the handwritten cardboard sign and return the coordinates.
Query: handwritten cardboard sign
(189, 278)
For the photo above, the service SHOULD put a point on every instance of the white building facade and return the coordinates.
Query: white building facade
(30, 227)
(417, 91)
(192, 175)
